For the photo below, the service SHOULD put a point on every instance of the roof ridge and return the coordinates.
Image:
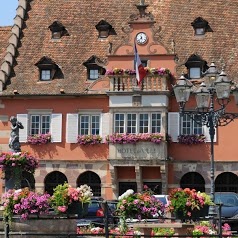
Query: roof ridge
(6, 66)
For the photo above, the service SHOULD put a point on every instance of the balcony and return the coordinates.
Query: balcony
(124, 80)
(119, 83)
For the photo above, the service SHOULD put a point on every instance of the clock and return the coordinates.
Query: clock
(141, 38)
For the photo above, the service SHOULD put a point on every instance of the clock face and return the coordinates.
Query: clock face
(141, 38)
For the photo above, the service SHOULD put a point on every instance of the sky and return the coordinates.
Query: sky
(7, 12)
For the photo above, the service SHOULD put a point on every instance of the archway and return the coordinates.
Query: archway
(93, 180)
(53, 179)
(226, 182)
(193, 180)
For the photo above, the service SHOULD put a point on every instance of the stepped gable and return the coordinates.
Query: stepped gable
(172, 28)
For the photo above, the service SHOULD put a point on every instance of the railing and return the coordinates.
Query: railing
(122, 83)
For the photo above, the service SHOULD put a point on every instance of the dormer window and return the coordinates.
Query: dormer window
(195, 65)
(104, 29)
(94, 71)
(200, 26)
(47, 68)
(57, 30)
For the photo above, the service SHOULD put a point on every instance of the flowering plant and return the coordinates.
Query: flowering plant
(64, 195)
(89, 139)
(24, 202)
(39, 139)
(133, 138)
(187, 200)
(206, 228)
(192, 139)
(149, 71)
(139, 205)
(20, 160)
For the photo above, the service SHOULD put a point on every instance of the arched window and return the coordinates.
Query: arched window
(52, 180)
(92, 180)
(193, 180)
(226, 182)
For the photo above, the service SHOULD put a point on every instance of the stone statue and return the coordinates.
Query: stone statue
(14, 143)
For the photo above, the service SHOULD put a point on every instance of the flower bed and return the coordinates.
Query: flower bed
(39, 139)
(133, 138)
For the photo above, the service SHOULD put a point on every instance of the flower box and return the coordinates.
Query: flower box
(192, 139)
(196, 214)
(39, 139)
(89, 139)
(77, 208)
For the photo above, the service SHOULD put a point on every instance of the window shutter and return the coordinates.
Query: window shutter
(173, 125)
(56, 128)
(72, 128)
(206, 133)
(105, 125)
(23, 118)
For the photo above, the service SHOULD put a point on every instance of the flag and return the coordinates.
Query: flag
(140, 71)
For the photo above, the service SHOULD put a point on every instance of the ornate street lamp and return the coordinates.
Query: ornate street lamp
(205, 114)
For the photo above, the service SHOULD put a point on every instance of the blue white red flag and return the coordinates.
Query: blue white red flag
(140, 71)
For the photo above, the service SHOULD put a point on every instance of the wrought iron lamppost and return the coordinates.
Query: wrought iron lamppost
(205, 113)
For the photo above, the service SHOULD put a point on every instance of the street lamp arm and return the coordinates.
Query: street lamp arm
(212, 118)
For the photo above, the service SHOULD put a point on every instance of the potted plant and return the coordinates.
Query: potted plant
(141, 205)
(14, 163)
(187, 204)
(39, 139)
(67, 199)
(24, 202)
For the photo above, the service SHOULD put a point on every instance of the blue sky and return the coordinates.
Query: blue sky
(7, 12)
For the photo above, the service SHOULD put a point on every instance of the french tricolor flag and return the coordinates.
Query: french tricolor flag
(140, 71)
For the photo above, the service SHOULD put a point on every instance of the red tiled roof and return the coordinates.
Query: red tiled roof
(4, 36)
(80, 18)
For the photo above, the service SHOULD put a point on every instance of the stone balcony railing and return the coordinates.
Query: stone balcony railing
(127, 83)
(139, 151)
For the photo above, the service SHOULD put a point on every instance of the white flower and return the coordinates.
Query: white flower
(126, 194)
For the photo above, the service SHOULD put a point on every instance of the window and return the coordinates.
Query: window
(48, 69)
(58, 30)
(94, 70)
(93, 73)
(189, 126)
(135, 123)
(195, 66)
(200, 26)
(40, 121)
(89, 124)
(45, 74)
(40, 124)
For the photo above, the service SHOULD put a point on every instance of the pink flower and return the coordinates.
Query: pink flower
(62, 208)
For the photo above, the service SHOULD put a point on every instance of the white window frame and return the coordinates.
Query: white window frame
(142, 124)
(55, 124)
(174, 125)
(90, 122)
(72, 124)
(45, 74)
(193, 128)
(40, 127)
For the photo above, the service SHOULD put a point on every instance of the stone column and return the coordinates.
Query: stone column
(138, 178)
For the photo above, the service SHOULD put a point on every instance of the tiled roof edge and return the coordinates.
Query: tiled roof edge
(7, 63)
